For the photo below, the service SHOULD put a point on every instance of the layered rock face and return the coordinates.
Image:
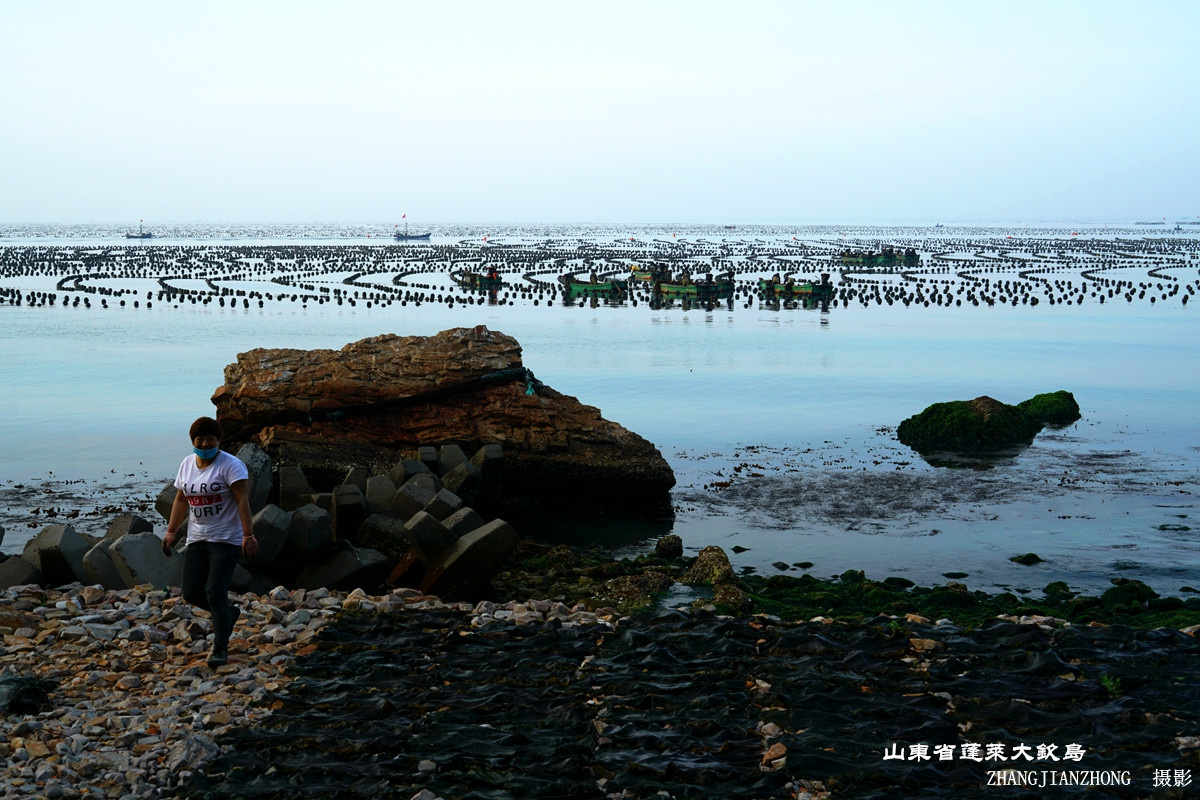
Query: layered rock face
(324, 410)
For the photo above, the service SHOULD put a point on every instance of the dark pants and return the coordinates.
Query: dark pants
(207, 572)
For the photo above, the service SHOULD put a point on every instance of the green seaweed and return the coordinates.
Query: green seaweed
(977, 425)
(852, 597)
(1052, 408)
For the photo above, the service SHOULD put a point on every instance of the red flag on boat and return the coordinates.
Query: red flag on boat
(403, 216)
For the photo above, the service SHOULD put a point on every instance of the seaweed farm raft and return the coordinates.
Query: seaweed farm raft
(895, 266)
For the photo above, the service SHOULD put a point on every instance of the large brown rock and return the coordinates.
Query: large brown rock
(379, 399)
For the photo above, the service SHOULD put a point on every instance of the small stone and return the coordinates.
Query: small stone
(775, 757)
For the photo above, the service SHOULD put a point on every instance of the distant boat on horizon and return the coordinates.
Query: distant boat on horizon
(406, 236)
(141, 234)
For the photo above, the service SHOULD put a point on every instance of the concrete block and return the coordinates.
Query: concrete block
(385, 534)
(270, 528)
(245, 581)
(443, 504)
(165, 499)
(488, 456)
(128, 523)
(181, 534)
(426, 480)
(293, 485)
(348, 511)
(310, 530)
(406, 469)
(323, 500)
(463, 521)
(430, 535)
(138, 558)
(409, 570)
(258, 482)
(380, 491)
(489, 460)
(357, 476)
(98, 566)
(465, 572)
(347, 569)
(449, 457)
(16, 571)
(57, 551)
(464, 480)
(409, 499)
(429, 457)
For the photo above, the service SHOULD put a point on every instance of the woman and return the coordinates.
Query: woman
(212, 484)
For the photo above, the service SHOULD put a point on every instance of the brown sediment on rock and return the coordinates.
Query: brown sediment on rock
(381, 397)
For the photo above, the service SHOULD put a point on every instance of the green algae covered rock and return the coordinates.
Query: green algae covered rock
(1052, 408)
(711, 568)
(968, 426)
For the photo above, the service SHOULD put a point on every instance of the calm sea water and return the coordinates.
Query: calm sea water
(807, 399)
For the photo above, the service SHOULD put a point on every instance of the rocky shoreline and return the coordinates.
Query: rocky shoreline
(132, 708)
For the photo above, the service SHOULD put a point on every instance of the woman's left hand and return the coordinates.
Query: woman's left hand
(250, 546)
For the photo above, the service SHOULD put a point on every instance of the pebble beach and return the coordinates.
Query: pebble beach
(407, 696)
(134, 708)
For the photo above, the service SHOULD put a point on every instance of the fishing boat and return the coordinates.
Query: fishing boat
(405, 236)
(593, 287)
(708, 289)
(774, 287)
(141, 234)
(646, 274)
(887, 256)
(477, 281)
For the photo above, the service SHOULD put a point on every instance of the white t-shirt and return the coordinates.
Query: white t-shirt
(213, 513)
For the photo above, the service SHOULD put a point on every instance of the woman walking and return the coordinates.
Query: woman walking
(212, 484)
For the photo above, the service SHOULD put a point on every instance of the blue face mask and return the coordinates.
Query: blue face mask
(207, 455)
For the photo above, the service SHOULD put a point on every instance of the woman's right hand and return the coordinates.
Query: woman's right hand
(168, 543)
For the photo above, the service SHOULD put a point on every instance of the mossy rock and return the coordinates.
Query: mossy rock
(630, 593)
(897, 582)
(1128, 592)
(711, 568)
(1052, 408)
(968, 426)
(853, 576)
(730, 599)
(1058, 590)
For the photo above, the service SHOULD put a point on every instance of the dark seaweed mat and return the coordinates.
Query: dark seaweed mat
(671, 703)
(24, 694)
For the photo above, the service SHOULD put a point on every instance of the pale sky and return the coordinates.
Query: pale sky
(603, 112)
